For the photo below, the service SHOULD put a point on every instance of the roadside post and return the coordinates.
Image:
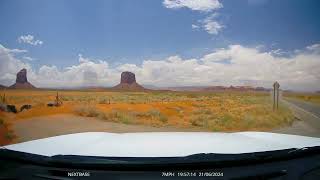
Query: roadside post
(3, 98)
(58, 100)
(275, 95)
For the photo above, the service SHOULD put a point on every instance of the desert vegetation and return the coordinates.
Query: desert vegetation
(6, 135)
(209, 111)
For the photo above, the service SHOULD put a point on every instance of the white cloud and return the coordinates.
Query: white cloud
(6, 50)
(194, 26)
(28, 58)
(210, 25)
(233, 65)
(10, 65)
(29, 39)
(314, 47)
(82, 59)
(196, 5)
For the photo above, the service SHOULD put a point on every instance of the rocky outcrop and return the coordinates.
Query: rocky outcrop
(22, 76)
(128, 82)
(128, 77)
(22, 81)
(25, 107)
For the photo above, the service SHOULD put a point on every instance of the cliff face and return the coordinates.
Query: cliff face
(22, 81)
(128, 77)
(128, 82)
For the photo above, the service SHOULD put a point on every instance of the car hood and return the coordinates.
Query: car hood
(162, 144)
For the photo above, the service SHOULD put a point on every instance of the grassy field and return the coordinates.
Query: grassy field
(210, 111)
(6, 135)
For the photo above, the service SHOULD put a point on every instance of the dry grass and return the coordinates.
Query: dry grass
(117, 115)
(6, 135)
(214, 111)
(154, 114)
(87, 111)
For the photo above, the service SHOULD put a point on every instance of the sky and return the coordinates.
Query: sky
(72, 43)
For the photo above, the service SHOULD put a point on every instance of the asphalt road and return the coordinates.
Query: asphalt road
(308, 115)
(310, 107)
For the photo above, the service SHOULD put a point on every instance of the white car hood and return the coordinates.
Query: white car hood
(163, 144)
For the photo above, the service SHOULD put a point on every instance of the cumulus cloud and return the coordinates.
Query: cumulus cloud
(196, 5)
(209, 24)
(9, 64)
(233, 65)
(86, 73)
(314, 47)
(29, 39)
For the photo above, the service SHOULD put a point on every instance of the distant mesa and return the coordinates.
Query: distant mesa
(216, 88)
(22, 81)
(3, 87)
(128, 82)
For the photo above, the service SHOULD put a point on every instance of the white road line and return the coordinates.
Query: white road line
(301, 109)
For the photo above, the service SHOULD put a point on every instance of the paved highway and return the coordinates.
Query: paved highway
(310, 107)
(308, 115)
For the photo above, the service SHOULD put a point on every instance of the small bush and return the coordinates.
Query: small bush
(154, 114)
(163, 118)
(87, 111)
(122, 117)
(197, 121)
(1, 122)
(9, 135)
(104, 101)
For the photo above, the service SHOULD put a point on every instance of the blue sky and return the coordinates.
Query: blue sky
(131, 32)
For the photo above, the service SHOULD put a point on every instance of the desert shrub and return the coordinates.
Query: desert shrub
(104, 101)
(198, 105)
(202, 117)
(154, 114)
(1, 122)
(198, 120)
(264, 117)
(203, 111)
(192, 95)
(122, 117)
(179, 110)
(9, 135)
(87, 111)
(224, 120)
(163, 118)
(114, 115)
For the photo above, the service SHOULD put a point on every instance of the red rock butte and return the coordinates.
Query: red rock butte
(128, 82)
(22, 81)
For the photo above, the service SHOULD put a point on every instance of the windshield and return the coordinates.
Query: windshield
(159, 78)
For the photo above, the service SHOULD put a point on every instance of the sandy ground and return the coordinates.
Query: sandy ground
(48, 126)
